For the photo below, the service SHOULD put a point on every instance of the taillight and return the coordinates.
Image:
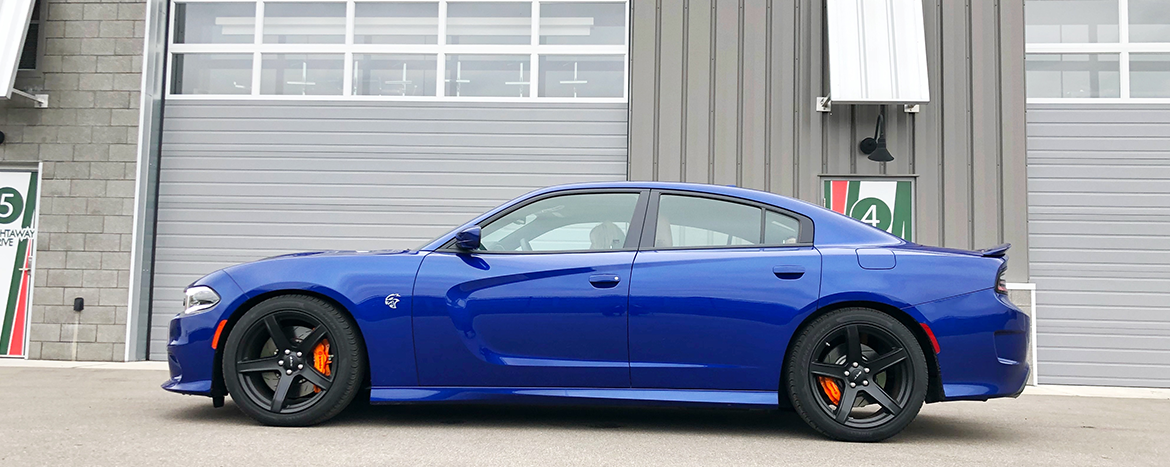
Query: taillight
(1000, 282)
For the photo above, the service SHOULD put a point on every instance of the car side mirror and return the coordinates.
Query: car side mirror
(468, 239)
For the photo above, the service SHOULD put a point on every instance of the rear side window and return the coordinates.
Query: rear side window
(780, 229)
(688, 221)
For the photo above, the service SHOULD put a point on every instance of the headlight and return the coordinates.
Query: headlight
(199, 299)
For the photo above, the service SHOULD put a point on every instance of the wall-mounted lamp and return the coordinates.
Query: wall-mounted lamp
(1, 137)
(876, 147)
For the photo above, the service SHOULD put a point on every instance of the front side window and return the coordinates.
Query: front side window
(688, 221)
(580, 222)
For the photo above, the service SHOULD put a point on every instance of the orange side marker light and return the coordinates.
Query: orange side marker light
(218, 331)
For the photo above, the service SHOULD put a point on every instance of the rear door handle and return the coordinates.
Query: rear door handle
(788, 271)
(604, 281)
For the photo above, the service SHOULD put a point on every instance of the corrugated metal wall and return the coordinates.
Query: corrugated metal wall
(246, 180)
(1099, 189)
(724, 91)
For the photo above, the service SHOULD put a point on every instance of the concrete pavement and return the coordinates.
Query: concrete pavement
(87, 416)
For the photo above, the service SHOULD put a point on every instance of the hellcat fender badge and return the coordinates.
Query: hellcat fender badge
(392, 300)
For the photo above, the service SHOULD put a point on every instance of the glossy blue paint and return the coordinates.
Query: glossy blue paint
(605, 396)
(717, 318)
(522, 319)
(652, 326)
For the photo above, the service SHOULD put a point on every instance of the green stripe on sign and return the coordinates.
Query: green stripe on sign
(903, 202)
(851, 198)
(827, 197)
(30, 198)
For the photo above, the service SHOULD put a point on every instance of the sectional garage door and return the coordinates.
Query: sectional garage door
(246, 180)
(1099, 223)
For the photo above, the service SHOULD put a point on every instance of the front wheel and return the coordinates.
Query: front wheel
(293, 360)
(857, 374)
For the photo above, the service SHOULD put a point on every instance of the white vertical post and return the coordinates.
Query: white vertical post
(258, 39)
(347, 71)
(441, 58)
(1123, 37)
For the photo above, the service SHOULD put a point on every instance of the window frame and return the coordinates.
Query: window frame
(804, 238)
(632, 235)
(440, 50)
(39, 20)
(1123, 48)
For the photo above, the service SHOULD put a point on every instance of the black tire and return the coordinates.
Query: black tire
(887, 371)
(256, 369)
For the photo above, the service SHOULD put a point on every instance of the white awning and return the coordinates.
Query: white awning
(14, 17)
(877, 52)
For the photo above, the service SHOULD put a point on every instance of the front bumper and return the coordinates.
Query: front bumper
(190, 354)
(983, 342)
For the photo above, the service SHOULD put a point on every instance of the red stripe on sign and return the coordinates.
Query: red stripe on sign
(839, 189)
(16, 345)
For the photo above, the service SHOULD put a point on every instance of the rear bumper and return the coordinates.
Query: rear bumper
(983, 342)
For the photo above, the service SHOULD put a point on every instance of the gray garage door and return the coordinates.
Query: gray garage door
(243, 181)
(1099, 222)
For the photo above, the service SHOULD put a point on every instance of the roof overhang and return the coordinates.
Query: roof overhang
(14, 18)
(877, 52)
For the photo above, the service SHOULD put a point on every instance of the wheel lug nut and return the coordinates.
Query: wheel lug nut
(854, 364)
(288, 372)
(298, 354)
(300, 367)
(852, 385)
(846, 373)
(867, 370)
(280, 362)
(287, 351)
(865, 383)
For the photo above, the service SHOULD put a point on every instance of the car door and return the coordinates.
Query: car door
(542, 303)
(714, 291)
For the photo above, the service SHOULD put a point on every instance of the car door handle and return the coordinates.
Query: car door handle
(604, 281)
(788, 271)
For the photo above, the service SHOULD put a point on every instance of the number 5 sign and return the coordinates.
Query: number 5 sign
(884, 203)
(18, 203)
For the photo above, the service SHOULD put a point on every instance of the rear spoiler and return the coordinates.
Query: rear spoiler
(995, 251)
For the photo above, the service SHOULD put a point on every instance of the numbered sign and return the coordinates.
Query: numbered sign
(18, 216)
(886, 204)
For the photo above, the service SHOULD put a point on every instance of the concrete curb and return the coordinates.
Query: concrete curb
(20, 363)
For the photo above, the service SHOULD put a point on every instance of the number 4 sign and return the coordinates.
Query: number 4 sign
(884, 203)
(18, 203)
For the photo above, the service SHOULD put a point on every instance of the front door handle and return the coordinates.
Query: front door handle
(788, 271)
(604, 281)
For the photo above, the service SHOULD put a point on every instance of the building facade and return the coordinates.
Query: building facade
(185, 136)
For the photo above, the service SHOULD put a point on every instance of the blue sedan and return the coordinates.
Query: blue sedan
(636, 292)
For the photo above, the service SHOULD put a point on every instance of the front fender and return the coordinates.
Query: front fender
(361, 284)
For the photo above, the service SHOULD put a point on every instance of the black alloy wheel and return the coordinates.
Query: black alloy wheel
(293, 360)
(857, 375)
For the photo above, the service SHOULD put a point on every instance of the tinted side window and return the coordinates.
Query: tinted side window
(592, 221)
(687, 221)
(780, 229)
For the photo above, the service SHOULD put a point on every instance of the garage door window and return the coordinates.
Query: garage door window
(498, 51)
(1097, 50)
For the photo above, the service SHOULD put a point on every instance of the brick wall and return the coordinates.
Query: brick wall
(87, 142)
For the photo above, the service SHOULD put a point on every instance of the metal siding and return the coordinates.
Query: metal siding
(1098, 217)
(966, 145)
(246, 180)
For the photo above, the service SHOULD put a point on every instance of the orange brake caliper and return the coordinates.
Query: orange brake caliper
(321, 359)
(829, 385)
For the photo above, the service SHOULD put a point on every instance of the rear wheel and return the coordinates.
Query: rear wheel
(293, 360)
(857, 375)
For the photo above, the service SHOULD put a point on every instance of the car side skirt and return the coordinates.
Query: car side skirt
(584, 396)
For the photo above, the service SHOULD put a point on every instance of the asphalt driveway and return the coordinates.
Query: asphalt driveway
(71, 416)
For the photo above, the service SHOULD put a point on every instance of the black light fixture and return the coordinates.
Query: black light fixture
(876, 147)
(1, 137)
